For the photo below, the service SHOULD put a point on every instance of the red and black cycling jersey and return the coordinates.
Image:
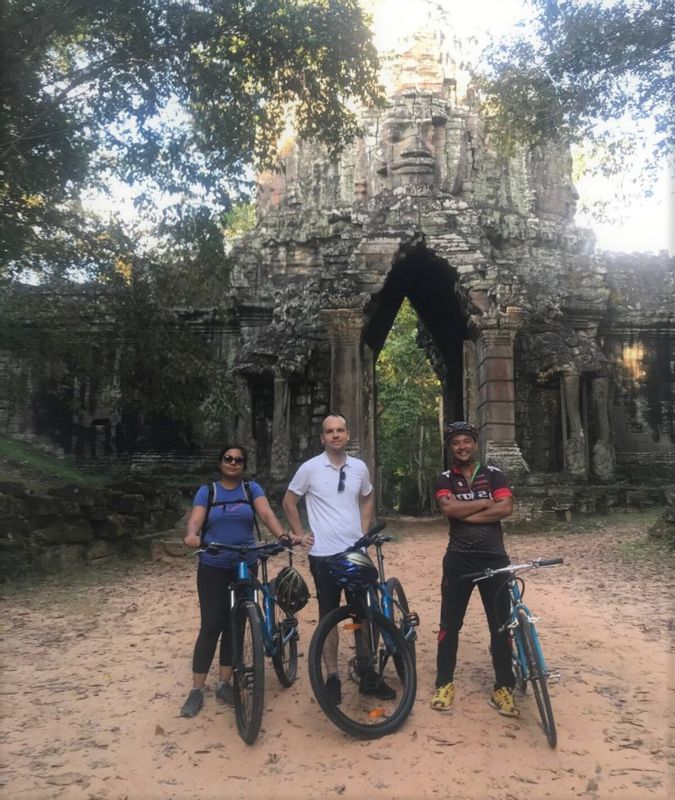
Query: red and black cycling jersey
(472, 537)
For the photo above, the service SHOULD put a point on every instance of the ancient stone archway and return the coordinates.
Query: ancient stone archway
(483, 244)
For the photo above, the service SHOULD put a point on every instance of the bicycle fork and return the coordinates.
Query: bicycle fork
(516, 638)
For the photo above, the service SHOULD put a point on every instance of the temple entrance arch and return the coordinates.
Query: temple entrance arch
(429, 285)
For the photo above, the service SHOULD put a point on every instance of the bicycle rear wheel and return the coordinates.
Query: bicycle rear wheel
(401, 610)
(537, 677)
(376, 694)
(249, 672)
(285, 658)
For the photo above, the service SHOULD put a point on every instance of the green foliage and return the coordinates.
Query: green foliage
(28, 458)
(408, 396)
(178, 96)
(116, 345)
(583, 67)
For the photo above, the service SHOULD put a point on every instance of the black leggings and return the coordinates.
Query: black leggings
(455, 594)
(214, 603)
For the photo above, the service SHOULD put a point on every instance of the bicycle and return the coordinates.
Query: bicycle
(369, 644)
(260, 627)
(527, 657)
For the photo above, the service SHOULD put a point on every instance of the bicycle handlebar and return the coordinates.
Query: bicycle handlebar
(264, 549)
(513, 568)
(370, 538)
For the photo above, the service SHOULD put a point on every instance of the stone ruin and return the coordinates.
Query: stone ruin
(561, 355)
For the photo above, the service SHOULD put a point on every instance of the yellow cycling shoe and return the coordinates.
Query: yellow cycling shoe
(443, 698)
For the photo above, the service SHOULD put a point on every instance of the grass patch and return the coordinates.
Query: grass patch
(30, 459)
(646, 547)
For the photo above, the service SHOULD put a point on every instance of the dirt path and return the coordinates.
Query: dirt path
(94, 675)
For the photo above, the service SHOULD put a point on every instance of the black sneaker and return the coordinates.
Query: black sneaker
(374, 686)
(193, 705)
(334, 689)
(225, 692)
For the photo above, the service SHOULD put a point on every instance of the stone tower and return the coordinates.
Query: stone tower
(518, 312)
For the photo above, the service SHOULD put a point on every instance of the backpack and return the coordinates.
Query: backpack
(210, 502)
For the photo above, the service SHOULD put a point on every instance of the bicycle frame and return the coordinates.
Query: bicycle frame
(263, 598)
(381, 597)
(514, 626)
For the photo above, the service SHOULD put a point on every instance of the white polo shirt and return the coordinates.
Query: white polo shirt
(334, 517)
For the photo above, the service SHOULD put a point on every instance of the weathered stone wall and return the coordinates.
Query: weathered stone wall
(63, 527)
(639, 338)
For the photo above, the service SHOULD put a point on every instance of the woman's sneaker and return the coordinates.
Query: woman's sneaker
(193, 705)
(502, 699)
(443, 698)
(225, 693)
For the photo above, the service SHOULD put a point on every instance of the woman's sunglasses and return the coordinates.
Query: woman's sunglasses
(234, 459)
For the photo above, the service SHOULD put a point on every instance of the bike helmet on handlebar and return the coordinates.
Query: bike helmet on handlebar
(290, 590)
(457, 428)
(352, 570)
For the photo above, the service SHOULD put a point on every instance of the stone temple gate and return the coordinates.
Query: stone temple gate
(525, 325)
(561, 355)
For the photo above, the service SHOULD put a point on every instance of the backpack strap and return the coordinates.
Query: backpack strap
(209, 505)
(249, 497)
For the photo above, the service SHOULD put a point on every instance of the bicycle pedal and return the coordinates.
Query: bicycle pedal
(554, 677)
(412, 619)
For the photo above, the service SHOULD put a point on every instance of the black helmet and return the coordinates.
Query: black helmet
(290, 590)
(352, 570)
(455, 428)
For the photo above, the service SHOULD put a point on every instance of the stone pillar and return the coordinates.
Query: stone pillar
(244, 422)
(345, 327)
(603, 458)
(496, 392)
(281, 433)
(471, 384)
(574, 445)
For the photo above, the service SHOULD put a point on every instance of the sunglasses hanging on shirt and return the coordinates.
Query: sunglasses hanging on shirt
(341, 481)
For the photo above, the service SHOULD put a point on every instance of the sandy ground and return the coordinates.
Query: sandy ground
(94, 675)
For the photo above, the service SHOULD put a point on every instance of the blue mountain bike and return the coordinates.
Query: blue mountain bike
(527, 657)
(259, 628)
(362, 655)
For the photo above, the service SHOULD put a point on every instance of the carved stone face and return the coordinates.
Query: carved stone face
(408, 142)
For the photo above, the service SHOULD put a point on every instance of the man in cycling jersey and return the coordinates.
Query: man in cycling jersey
(475, 498)
(340, 506)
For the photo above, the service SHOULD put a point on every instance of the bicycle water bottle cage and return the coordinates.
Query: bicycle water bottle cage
(353, 571)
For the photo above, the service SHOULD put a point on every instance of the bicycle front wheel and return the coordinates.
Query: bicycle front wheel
(285, 658)
(354, 673)
(537, 677)
(249, 672)
(518, 671)
(401, 612)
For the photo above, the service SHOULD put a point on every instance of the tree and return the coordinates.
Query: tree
(179, 95)
(588, 71)
(409, 443)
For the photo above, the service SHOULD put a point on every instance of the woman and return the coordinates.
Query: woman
(230, 521)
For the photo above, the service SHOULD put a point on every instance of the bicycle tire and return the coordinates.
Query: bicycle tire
(285, 658)
(400, 610)
(368, 661)
(249, 672)
(537, 678)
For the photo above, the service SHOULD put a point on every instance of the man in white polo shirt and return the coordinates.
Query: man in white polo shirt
(340, 508)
